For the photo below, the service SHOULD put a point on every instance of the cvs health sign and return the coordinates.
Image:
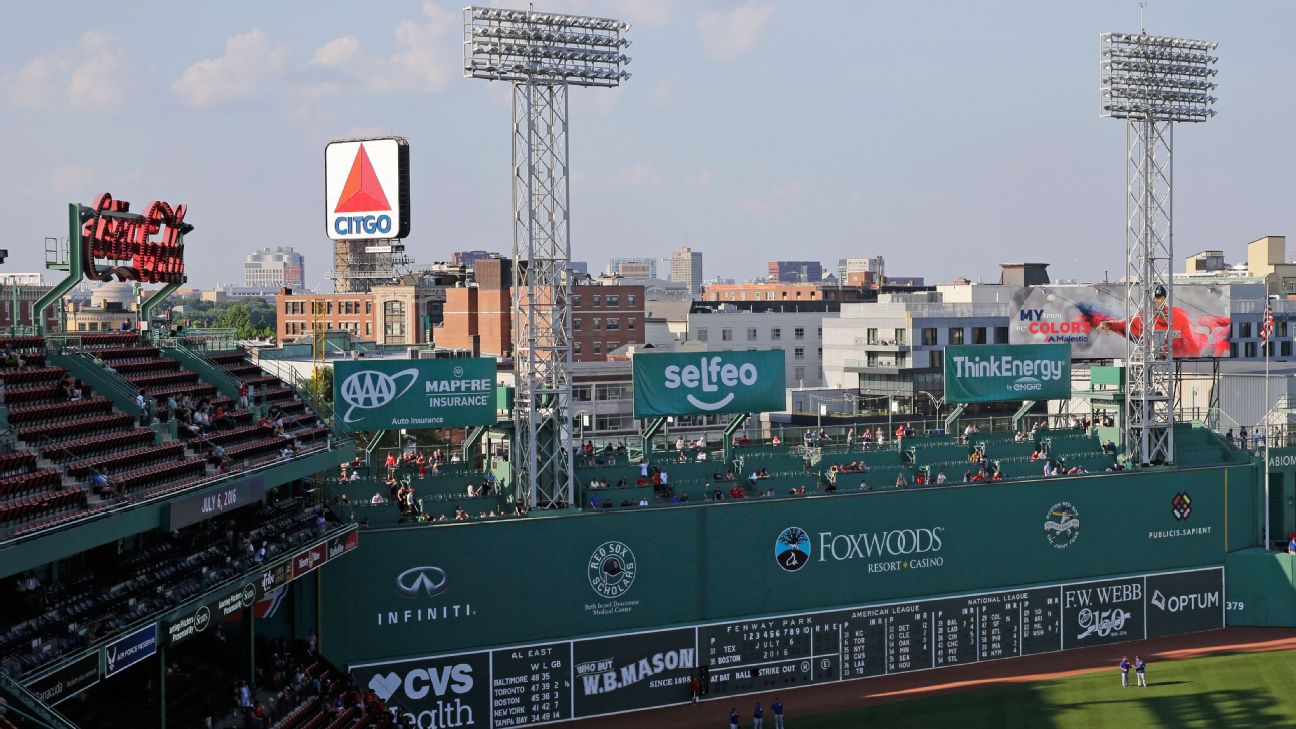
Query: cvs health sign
(366, 189)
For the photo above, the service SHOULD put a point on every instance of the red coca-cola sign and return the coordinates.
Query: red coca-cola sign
(146, 247)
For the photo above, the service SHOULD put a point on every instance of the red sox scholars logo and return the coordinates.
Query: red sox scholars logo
(612, 569)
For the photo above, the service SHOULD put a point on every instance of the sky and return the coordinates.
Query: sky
(946, 136)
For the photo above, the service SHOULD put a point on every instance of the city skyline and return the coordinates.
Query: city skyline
(1010, 154)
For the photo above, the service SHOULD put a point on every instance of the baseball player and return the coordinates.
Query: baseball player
(758, 716)
(777, 708)
(733, 717)
(1124, 669)
(1139, 666)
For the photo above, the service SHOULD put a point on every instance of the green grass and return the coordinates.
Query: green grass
(1244, 690)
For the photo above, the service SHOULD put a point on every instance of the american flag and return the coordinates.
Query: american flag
(1266, 327)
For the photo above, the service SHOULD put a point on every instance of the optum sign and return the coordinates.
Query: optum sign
(997, 372)
(702, 383)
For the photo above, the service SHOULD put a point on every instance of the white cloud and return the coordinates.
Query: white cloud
(729, 35)
(638, 175)
(249, 59)
(425, 61)
(702, 177)
(779, 200)
(35, 85)
(661, 92)
(97, 80)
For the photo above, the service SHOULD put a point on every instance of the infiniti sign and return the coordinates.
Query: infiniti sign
(427, 579)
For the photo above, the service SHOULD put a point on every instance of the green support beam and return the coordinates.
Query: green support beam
(1021, 413)
(953, 418)
(74, 270)
(146, 309)
(739, 420)
(654, 426)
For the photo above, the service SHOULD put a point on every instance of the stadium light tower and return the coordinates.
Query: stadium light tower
(541, 54)
(1152, 82)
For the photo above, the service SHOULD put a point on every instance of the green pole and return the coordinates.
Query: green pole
(162, 681)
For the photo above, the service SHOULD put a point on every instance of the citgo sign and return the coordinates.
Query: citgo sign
(366, 189)
(414, 393)
(999, 372)
(702, 383)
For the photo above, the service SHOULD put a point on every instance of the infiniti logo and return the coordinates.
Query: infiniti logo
(428, 579)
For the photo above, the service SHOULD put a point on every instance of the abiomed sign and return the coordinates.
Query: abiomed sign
(704, 383)
(414, 393)
(999, 372)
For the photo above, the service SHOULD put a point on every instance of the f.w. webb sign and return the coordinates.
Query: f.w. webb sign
(413, 393)
(705, 383)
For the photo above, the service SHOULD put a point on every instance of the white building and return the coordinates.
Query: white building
(894, 347)
(798, 331)
(269, 269)
(655, 289)
(686, 268)
(632, 267)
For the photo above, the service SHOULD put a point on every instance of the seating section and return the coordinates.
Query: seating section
(107, 592)
(267, 388)
(66, 435)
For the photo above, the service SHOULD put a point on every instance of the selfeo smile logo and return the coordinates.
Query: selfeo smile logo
(370, 389)
(428, 580)
(707, 378)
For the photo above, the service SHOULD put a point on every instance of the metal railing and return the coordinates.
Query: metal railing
(215, 375)
(41, 714)
(303, 386)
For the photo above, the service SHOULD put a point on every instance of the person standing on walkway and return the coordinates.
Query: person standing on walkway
(758, 716)
(776, 709)
(1124, 669)
(1139, 666)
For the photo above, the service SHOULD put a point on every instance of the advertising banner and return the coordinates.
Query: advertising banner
(419, 591)
(1091, 318)
(702, 383)
(999, 372)
(636, 671)
(68, 681)
(193, 509)
(130, 649)
(367, 189)
(540, 683)
(373, 394)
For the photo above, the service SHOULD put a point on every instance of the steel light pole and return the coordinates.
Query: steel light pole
(1152, 82)
(541, 54)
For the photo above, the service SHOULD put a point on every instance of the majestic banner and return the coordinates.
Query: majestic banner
(1091, 318)
(702, 383)
(998, 372)
(413, 393)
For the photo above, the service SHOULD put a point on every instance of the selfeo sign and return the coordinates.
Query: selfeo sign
(701, 383)
(366, 189)
(1001, 372)
(414, 393)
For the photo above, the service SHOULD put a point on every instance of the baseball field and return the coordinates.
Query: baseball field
(1238, 677)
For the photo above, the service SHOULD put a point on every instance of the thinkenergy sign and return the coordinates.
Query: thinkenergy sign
(541, 683)
(999, 372)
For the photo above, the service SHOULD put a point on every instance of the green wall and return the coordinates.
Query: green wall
(524, 580)
(1261, 588)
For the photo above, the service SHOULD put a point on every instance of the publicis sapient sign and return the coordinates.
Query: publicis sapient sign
(366, 189)
(999, 372)
(706, 383)
(414, 393)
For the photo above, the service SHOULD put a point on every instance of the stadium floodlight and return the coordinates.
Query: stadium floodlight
(541, 54)
(544, 48)
(1152, 82)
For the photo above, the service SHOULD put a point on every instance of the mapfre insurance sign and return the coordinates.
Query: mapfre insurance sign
(366, 189)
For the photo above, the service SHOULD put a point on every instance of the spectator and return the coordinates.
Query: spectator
(377, 498)
(900, 481)
(940, 477)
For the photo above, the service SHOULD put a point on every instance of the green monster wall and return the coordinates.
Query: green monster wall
(420, 591)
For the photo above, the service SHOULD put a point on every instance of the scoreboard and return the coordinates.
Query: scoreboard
(574, 679)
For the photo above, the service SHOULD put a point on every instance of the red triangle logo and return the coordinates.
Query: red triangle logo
(362, 192)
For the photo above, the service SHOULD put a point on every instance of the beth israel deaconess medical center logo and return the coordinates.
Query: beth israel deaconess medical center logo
(792, 548)
(370, 389)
